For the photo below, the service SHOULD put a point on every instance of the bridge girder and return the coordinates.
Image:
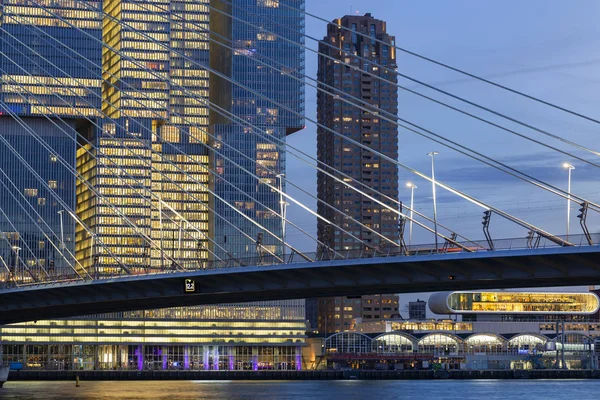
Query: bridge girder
(403, 274)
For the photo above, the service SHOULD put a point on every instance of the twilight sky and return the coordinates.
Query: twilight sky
(546, 48)
(542, 47)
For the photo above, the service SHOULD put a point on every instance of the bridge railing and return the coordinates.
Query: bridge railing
(7, 279)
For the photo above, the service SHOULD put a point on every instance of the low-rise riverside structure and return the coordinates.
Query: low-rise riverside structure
(446, 350)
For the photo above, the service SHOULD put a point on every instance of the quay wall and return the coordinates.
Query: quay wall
(29, 375)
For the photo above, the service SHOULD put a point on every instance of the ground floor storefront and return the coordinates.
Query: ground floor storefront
(151, 357)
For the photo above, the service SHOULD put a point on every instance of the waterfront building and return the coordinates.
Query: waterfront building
(491, 330)
(369, 76)
(515, 306)
(400, 350)
(232, 337)
(138, 119)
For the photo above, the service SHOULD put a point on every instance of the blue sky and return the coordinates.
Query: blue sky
(546, 48)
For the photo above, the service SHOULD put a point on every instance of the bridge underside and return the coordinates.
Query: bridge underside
(497, 270)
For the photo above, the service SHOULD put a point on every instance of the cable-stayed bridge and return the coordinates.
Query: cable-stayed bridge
(144, 144)
(516, 268)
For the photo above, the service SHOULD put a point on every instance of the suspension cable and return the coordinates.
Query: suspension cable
(444, 65)
(292, 199)
(405, 216)
(236, 226)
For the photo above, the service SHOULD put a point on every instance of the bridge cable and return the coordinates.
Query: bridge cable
(444, 65)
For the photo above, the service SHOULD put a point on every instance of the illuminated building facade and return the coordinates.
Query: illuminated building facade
(149, 159)
(42, 92)
(39, 74)
(232, 337)
(520, 303)
(266, 36)
(369, 77)
(144, 152)
(400, 350)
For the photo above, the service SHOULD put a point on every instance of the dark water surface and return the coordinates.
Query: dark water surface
(311, 390)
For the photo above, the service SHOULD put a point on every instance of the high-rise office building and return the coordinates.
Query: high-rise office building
(135, 100)
(44, 96)
(268, 103)
(150, 157)
(359, 61)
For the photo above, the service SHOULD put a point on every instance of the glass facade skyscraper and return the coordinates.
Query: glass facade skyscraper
(267, 96)
(150, 159)
(267, 56)
(43, 86)
(129, 90)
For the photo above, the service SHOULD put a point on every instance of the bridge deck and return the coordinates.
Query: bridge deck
(566, 266)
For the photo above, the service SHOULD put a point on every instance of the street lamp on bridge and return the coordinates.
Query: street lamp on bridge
(570, 168)
(432, 155)
(282, 209)
(16, 249)
(412, 187)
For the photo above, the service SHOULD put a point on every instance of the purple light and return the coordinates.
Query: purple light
(140, 358)
(186, 357)
(254, 363)
(298, 361)
(164, 361)
(216, 360)
(231, 362)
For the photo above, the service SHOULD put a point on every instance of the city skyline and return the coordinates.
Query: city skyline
(524, 59)
(138, 186)
(460, 171)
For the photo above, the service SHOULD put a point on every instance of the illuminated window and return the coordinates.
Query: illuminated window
(266, 36)
(53, 158)
(31, 192)
(53, 184)
(109, 128)
(170, 134)
(268, 3)
(41, 201)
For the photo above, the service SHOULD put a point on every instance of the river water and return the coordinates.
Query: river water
(310, 390)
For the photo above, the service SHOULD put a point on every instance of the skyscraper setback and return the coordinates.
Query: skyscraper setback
(359, 63)
(267, 104)
(124, 94)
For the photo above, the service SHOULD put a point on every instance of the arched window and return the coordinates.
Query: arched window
(526, 343)
(393, 343)
(348, 342)
(439, 344)
(484, 343)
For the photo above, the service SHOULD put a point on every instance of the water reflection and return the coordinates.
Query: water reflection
(313, 390)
